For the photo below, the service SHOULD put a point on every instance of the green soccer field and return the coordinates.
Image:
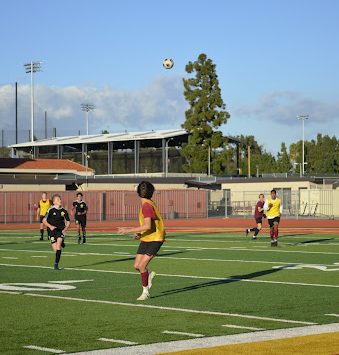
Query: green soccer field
(206, 285)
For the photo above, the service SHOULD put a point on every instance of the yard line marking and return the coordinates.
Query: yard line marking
(332, 314)
(118, 341)
(169, 257)
(184, 310)
(206, 248)
(11, 292)
(69, 281)
(225, 279)
(39, 256)
(203, 343)
(121, 252)
(10, 257)
(240, 327)
(182, 333)
(49, 350)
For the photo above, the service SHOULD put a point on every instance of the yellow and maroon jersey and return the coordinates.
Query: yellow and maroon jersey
(44, 206)
(157, 232)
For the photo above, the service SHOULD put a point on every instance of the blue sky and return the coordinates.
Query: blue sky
(275, 59)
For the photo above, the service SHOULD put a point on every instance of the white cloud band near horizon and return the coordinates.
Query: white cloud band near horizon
(161, 105)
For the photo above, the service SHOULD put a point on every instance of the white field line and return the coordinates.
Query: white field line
(126, 342)
(240, 327)
(208, 342)
(194, 335)
(172, 309)
(40, 348)
(203, 248)
(39, 256)
(9, 257)
(181, 276)
(332, 314)
(11, 292)
(167, 257)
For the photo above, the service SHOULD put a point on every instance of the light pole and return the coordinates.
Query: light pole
(303, 118)
(87, 108)
(208, 157)
(166, 157)
(32, 67)
(87, 157)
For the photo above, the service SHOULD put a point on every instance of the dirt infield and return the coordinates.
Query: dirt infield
(208, 225)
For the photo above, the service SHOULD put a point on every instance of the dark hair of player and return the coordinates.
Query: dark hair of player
(261, 195)
(145, 190)
(80, 193)
(54, 196)
(274, 191)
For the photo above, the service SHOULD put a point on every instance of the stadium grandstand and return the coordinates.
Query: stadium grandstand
(116, 153)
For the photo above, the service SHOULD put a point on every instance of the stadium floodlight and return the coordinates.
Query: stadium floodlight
(87, 108)
(303, 118)
(31, 68)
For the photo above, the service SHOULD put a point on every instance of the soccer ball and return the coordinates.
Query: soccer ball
(168, 63)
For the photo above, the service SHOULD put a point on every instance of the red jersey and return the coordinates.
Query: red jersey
(258, 214)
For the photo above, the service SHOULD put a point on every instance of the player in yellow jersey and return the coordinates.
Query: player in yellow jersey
(43, 206)
(151, 233)
(273, 210)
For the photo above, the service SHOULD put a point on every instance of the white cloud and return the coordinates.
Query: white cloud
(159, 105)
(283, 107)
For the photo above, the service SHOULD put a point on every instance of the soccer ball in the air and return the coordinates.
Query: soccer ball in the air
(168, 63)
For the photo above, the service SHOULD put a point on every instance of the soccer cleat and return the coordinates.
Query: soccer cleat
(79, 239)
(144, 296)
(41, 238)
(246, 232)
(63, 244)
(83, 240)
(254, 237)
(150, 278)
(56, 267)
(274, 243)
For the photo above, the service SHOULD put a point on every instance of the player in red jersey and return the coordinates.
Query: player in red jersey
(258, 215)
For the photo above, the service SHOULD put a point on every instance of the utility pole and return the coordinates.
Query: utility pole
(303, 118)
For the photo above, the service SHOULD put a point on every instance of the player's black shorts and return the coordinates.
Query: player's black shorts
(149, 248)
(81, 219)
(258, 220)
(55, 234)
(272, 220)
(41, 218)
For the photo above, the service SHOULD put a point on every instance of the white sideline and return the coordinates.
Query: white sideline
(173, 309)
(193, 335)
(208, 342)
(126, 342)
(40, 348)
(181, 276)
(332, 314)
(116, 254)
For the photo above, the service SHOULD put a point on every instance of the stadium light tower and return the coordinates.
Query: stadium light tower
(303, 118)
(87, 108)
(31, 68)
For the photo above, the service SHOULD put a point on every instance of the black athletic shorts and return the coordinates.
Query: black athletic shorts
(81, 219)
(258, 220)
(55, 234)
(272, 220)
(149, 248)
(41, 218)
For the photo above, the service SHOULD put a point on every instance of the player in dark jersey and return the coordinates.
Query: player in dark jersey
(258, 216)
(79, 210)
(57, 222)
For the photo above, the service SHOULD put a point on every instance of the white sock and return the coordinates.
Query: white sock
(145, 289)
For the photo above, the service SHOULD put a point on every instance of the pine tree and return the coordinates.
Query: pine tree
(206, 113)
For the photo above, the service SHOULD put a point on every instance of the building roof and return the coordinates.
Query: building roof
(104, 138)
(48, 165)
